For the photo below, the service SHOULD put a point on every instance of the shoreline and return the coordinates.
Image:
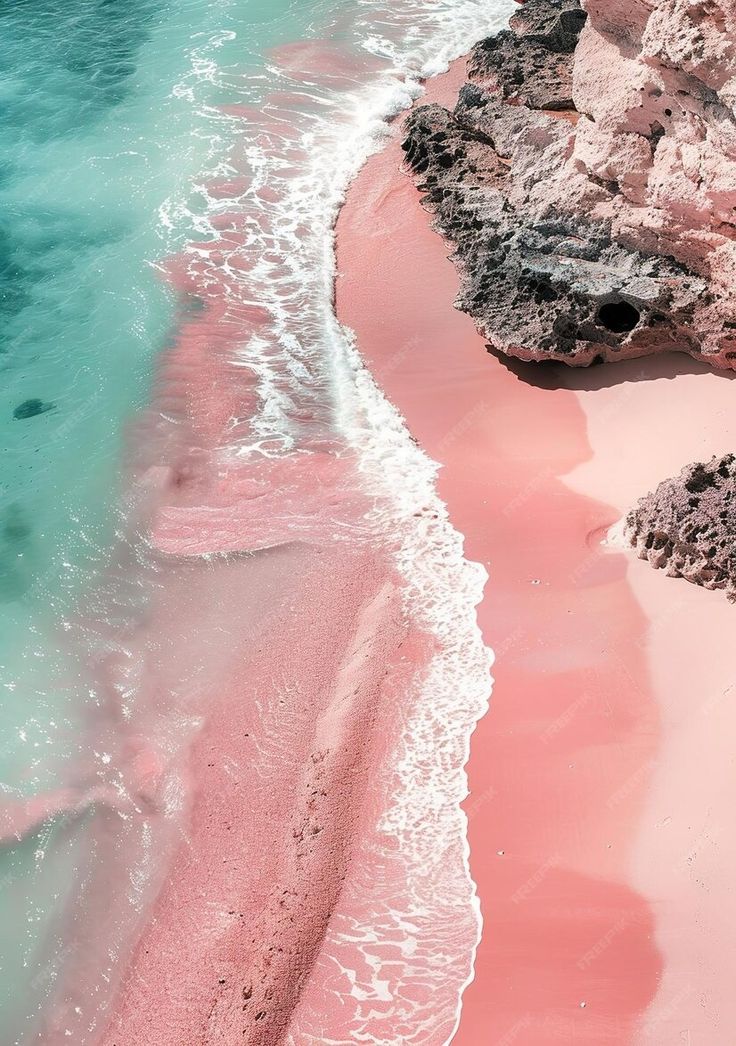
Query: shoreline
(280, 786)
(292, 776)
(333, 789)
(431, 363)
(565, 769)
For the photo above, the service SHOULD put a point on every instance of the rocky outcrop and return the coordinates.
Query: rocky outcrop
(587, 180)
(687, 527)
(539, 72)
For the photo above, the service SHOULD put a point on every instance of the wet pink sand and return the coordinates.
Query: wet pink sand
(277, 771)
(278, 667)
(601, 780)
(282, 658)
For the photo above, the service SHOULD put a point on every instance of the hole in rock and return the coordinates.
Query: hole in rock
(618, 316)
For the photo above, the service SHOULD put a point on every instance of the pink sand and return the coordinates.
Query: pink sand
(282, 658)
(277, 667)
(278, 769)
(601, 780)
(597, 836)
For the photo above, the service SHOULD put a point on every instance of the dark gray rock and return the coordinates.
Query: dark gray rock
(541, 280)
(555, 26)
(687, 527)
(533, 62)
(540, 286)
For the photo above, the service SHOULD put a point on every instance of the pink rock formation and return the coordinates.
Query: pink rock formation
(654, 82)
(608, 233)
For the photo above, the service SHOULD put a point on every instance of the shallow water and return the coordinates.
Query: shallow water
(103, 141)
(137, 138)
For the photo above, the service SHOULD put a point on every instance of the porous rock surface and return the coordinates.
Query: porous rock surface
(688, 525)
(587, 180)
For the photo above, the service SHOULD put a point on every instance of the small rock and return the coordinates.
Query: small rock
(30, 408)
(687, 526)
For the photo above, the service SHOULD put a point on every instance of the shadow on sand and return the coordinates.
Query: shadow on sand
(549, 374)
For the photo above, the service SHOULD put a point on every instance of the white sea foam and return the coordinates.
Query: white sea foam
(615, 537)
(313, 387)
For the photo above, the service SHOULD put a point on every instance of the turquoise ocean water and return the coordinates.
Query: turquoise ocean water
(107, 129)
(112, 125)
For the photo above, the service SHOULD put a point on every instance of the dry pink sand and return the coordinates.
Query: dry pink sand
(602, 782)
